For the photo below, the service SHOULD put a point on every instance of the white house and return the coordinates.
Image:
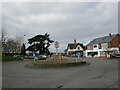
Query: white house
(73, 49)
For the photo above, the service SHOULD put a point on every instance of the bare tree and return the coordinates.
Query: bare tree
(3, 38)
(9, 45)
(20, 39)
(12, 46)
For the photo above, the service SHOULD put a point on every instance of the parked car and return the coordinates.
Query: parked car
(116, 54)
(41, 57)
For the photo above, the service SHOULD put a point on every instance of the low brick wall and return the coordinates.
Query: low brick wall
(103, 56)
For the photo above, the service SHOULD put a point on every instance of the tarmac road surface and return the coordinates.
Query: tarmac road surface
(101, 73)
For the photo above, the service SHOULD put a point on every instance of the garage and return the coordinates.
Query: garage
(92, 54)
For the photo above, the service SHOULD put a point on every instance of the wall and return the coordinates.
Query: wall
(115, 42)
(104, 45)
(90, 47)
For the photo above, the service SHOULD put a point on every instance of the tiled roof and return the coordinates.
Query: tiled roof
(105, 39)
(73, 46)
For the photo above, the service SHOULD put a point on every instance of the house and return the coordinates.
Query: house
(73, 49)
(103, 46)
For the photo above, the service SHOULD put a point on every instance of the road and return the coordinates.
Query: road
(101, 73)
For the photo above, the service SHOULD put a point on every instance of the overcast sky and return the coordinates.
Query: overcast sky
(64, 21)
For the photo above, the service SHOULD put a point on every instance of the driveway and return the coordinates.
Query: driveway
(101, 73)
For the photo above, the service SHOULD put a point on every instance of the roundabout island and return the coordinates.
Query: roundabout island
(57, 61)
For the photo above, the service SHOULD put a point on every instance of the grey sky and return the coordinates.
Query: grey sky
(64, 21)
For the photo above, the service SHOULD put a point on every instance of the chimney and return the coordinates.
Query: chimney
(74, 42)
(110, 34)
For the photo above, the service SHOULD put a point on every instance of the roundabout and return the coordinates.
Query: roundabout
(101, 73)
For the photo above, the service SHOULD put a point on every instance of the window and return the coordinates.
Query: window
(78, 48)
(104, 45)
(95, 46)
(102, 53)
(88, 47)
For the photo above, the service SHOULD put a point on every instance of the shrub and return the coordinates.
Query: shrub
(28, 57)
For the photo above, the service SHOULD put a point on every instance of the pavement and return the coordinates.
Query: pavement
(101, 73)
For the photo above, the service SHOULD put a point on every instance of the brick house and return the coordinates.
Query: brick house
(103, 46)
(73, 49)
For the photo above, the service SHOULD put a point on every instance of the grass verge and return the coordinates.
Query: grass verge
(11, 58)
